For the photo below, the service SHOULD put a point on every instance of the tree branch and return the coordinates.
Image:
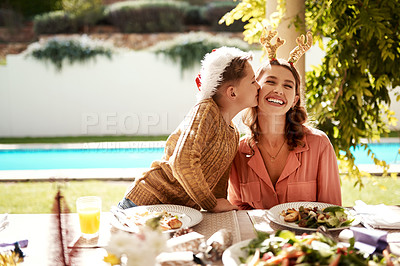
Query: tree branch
(340, 92)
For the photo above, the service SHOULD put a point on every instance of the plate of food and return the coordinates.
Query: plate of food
(286, 248)
(236, 254)
(171, 217)
(310, 215)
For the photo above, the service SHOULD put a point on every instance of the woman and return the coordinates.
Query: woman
(282, 160)
(194, 170)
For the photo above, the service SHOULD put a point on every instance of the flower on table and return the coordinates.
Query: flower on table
(140, 248)
(11, 256)
(112, 259)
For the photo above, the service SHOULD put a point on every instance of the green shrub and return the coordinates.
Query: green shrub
(189, 49)
(193, 16)
(195, 2)
(55, 22)
(145, 17)
(74, 50)
(30, 8)
(216, 10)
(10, 18)
(87, 12)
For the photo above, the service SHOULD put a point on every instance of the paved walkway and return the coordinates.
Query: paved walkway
(109, 174)
(86, 145)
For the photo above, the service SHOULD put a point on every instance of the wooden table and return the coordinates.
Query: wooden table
(39, 230)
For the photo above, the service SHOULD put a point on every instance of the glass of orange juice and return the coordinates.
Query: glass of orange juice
(88, 209)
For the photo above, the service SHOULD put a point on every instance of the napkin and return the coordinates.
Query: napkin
(378, 216)
(21, 243)
(369, 241)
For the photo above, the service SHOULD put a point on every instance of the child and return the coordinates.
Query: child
(195, 167)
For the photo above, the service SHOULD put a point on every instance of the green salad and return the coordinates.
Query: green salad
(313, 217)
(285, 248)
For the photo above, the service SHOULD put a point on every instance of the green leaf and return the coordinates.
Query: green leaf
(361, 58)
(333, 209)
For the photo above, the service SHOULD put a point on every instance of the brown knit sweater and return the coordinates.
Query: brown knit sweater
(195, 167)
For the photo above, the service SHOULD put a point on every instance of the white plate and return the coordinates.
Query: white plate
(188, 216)
(232, 254)
(274, 214)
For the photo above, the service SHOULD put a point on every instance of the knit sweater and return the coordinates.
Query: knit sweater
(195, 167)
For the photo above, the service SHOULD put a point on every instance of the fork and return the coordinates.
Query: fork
(4, 222)
(121, 216)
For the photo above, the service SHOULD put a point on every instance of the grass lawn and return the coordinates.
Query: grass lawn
(376, 190)
(81, 139)
(37, 197)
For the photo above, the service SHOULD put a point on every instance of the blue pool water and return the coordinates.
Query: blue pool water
(383, 151)
(134, 157)
(79, 158)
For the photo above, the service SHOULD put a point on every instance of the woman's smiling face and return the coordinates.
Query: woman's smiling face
(278, 90)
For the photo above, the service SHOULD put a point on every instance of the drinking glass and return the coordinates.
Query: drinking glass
(88, 209)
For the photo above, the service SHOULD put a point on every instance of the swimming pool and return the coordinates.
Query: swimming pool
(78, 158)
(388, 152)
(133, 157)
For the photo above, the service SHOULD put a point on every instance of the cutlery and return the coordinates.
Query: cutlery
(4, 225)
(365, 224)
(121, 217)
(198, 260)
(3, 218)
(4, 221)
(324, 231)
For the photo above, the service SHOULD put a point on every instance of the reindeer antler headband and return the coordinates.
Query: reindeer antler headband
(294, 55)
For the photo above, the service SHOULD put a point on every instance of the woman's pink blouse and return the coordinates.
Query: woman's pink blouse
(311, 174)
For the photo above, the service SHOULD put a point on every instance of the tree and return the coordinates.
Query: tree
(348, 94)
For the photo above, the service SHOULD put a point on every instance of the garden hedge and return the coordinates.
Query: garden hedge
(146, 17)
(55, 22)
(214, 11)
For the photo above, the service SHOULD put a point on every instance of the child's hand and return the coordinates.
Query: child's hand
(223, 205)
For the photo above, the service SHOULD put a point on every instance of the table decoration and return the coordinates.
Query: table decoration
(192, 248)
(190, 241)
(217, 244)
(213, 222)
(137, 249)
(11, 256)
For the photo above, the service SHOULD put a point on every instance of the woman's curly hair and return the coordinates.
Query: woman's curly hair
(295, 117)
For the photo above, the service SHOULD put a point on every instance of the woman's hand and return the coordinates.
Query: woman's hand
(223, 205)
